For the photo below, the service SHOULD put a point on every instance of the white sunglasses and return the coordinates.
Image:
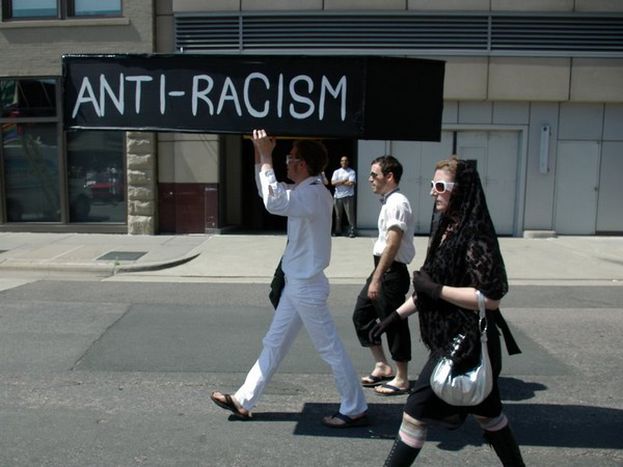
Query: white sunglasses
(441, 186)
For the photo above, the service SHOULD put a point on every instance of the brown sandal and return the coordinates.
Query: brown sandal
(230, 405)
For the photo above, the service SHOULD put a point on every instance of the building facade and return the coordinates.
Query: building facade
(533, 92)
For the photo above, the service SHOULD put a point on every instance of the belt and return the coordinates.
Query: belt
(394, 265)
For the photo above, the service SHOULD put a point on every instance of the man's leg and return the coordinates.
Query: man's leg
(314, 312)
(365, 317)
(278, 340)
(395, 287)
(349, 207)
(338, 207)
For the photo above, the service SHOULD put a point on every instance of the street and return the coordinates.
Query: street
(111, 372)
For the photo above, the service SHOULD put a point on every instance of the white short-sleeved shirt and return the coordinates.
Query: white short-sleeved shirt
(341, 191)
(396, 212)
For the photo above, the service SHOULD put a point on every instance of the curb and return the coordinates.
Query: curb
(156, 266)
(108, 267)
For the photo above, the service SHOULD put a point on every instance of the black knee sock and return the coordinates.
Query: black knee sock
(505, 446)
(401, 455)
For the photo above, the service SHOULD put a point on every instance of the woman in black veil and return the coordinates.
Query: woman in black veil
(463, 257)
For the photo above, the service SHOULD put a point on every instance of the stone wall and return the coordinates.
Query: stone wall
(142, 187)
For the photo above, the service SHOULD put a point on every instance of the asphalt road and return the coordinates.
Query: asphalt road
(109, 373)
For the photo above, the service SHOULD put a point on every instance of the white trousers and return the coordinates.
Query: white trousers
(304, 302)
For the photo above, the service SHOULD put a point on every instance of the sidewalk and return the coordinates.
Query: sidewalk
(252, 258)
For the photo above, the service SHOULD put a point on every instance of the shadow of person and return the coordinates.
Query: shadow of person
(514, 389)
(547, 425)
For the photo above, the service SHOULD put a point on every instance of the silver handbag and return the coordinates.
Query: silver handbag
(472, 387)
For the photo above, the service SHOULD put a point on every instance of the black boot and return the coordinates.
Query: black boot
(401, 455)
(505, 447)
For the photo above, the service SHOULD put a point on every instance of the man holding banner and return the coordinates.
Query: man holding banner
(308, 206)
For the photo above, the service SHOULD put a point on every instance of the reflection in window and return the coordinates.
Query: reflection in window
(28, 98)
(34, 9)
(97, 7)
(30, 159)
(96, 176)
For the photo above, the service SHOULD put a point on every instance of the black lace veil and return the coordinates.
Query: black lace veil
(463, 252)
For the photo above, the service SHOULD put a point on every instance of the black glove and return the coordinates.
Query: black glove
(380, 327)
(422, 283)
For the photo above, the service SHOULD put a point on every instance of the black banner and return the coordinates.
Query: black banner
(361, 97)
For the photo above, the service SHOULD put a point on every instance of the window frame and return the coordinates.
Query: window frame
(65, 9)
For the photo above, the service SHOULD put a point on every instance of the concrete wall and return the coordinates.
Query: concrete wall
(188, 158)
(534, 79)
(34, 48)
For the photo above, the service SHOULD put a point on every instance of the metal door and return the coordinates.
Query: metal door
(496, 154)
(577, 171)
(609, 207)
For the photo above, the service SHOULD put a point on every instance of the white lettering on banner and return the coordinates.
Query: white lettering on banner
(106, 89)
(335, 92)
(303, 100)
(258, 100)
(163, 101)
(203, 94)
(139, 80)
(247, 101)
(85, 87)
(227, 96)
(280, 96)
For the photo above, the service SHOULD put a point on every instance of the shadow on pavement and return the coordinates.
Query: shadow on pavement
(550, 425)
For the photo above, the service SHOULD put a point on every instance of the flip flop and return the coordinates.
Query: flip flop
(349, 422)
(230, 405)
(393, 390)
(371, 381)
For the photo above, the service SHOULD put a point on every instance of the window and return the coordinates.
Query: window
(59, 9)
(28, 98)
(35, 175)
(30, 157)
(96, 8)
(29, 149)
(32, 9)
(96, 176)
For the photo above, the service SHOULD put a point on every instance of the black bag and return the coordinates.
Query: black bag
(277, 285)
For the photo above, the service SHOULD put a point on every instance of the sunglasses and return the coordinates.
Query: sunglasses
(441, 186)
(291, 158)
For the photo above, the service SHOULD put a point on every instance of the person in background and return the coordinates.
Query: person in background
(344, 180)
(303, 300)
(463, 257)
(388, 284)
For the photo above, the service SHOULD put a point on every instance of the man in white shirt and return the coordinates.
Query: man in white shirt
(307, 205)
(387, 286)
(344, 180)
